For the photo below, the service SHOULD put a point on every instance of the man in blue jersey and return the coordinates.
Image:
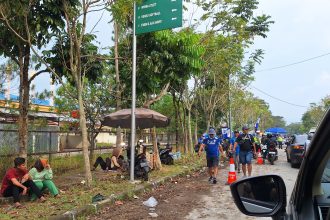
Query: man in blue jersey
(212, 145)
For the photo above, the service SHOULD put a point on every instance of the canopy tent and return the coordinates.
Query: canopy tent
(276, 130)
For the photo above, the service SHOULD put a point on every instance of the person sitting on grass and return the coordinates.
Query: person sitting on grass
(42, 175)
(17, 181)
(117, 159)
(116, 162)
(105, 165)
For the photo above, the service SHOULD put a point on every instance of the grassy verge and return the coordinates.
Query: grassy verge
(77, 195)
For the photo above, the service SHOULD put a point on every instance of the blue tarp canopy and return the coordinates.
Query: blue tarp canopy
(276, 130)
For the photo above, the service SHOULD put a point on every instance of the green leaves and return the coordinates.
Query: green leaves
(163, 57)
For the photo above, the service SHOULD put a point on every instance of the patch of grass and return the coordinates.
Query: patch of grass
(186, 163)
(104, 145)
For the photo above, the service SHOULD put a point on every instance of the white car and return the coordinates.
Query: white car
(309, 138)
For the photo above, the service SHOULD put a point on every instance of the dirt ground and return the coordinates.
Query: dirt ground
(175, 200)
(194, 198)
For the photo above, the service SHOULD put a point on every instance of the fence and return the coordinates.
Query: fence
(51, 140)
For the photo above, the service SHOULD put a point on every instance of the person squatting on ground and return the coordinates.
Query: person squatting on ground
(17, 181)
(247, 149)
(116, 162)
(42, 175)
(212, 146)
(235, 152)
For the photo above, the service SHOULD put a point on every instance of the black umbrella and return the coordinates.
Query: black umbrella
(144, 118)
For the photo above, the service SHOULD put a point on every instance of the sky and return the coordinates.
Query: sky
(301, 31)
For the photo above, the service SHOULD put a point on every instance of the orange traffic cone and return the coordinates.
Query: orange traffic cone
(260, 160)
(232, 173)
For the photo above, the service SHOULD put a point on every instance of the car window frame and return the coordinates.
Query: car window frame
(309, 177)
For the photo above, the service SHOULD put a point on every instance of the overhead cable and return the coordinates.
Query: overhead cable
(278, 99)
(295, 63)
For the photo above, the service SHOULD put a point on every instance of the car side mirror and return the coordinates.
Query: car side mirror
(263, 196)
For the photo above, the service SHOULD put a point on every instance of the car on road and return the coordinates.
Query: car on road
(265, 196)
(309, 137)
(295, 150)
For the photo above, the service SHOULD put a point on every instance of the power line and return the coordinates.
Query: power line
(278, 99)
(292, 64)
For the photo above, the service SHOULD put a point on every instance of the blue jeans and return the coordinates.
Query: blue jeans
(245, 157)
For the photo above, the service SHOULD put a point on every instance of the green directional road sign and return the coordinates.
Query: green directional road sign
(155, 15)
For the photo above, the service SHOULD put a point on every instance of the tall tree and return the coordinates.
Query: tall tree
(78, 61)
(120, 11)
(166, 60)
(24, 25)
(312, 117)
(97, 102)
(233, 29)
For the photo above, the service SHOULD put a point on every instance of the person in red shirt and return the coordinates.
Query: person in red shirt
(17, 180)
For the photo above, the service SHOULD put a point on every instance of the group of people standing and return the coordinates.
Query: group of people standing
(242, 146)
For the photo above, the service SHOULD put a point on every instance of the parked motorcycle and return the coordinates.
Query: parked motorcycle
(165, 155)
(141, 168)
(141, 165)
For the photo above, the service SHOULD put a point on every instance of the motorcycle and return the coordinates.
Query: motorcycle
(165, 156)
(264, 152)
(272, 154)
(141, 168)
(141, 165)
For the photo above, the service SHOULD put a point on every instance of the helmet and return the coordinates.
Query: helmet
(212, 131)
(245, 128)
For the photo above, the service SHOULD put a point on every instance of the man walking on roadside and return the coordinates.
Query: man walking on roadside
(247, 149)
(212, 146)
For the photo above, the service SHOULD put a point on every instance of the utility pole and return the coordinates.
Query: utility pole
(229, 100)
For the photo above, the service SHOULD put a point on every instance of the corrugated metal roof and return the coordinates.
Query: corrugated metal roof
(33, 100)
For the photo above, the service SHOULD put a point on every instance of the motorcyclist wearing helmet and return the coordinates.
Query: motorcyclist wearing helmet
(267, 142)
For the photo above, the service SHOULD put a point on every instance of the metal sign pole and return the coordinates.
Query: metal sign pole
(229, 99)
(133, 100)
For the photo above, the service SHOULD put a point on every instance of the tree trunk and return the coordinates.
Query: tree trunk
(118, 84)
(156, 159)
(182, 127)
(176, 123)
(196, 128)
(185, 132)
(190, 141)
(208, 121)
(24, 93)
(92, 148)
(84, 134)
